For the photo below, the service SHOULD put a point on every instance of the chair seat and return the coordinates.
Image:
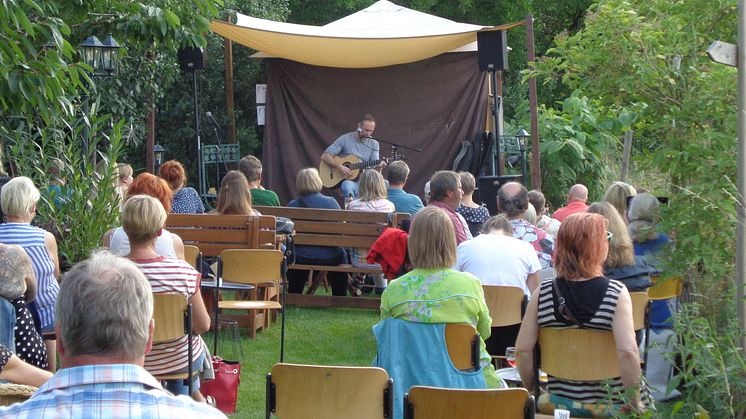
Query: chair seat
(178, 376)
(250, 305)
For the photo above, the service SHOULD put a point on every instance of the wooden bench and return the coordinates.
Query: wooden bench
(215, 233)
(338, 228)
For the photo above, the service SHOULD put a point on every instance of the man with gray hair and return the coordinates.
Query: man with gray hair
(446, 194)
(576, 202)
(512, 200)
(105, 326)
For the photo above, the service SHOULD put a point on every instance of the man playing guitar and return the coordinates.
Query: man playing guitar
(358, 143)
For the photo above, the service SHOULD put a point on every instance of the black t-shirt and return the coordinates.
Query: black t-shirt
(583, 298)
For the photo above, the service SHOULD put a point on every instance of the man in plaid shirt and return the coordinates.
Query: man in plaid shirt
(104, 315)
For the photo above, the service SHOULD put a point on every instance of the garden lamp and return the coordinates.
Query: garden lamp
(158, 153)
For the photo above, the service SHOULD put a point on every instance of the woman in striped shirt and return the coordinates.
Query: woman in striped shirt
(18, 200)
(595, 301)
(143, 218)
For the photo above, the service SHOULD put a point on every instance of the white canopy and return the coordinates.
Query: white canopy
(380, 35)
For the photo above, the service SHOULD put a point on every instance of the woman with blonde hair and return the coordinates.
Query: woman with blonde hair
(372, 197)
(474, 214)
(621, 263)
(234, 197)
(435, 293)
(618, 195)
(594, 302)
(308, 187)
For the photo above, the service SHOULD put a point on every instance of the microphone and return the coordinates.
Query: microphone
(209, 116)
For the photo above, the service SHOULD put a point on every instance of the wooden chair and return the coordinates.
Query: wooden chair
(447, 403)
(577, 354)
(193, 256)
(506, 304)
(172, 314)
(462, 342)
(252, 267)
(640, 309)
(321, 392)
(662, 289)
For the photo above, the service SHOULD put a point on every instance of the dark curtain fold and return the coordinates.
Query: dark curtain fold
(432, 105)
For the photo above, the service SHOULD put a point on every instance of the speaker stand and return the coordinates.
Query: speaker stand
(495, 157)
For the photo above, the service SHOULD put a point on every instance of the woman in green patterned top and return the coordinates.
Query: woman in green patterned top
(435, 293)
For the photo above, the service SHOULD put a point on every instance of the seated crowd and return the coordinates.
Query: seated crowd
(575, 267)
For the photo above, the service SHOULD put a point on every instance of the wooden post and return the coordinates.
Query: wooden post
(150, 140)
(533, 106)
(626, 155)
(229, 104)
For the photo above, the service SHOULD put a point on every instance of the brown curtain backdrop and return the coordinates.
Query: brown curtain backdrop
(432, 105)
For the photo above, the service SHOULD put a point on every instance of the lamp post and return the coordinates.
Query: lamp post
(158, 153)
(521, 137)
(103, 59)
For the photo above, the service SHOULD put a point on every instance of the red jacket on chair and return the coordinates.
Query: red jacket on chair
(390, 251)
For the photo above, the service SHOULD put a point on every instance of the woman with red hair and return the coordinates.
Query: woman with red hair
(186, 200)
(167, 244)
(593, 301)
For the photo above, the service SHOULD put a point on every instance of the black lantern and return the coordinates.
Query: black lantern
(101, 56)
(521, 137)
(158, 153)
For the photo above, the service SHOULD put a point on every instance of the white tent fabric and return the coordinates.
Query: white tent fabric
(380, 35)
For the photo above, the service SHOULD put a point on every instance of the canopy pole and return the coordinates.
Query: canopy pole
(229, 103)
(740, 214)
(533, 107)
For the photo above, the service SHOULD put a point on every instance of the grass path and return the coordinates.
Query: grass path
(313, 336)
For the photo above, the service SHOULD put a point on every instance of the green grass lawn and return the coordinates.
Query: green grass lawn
(313, 336)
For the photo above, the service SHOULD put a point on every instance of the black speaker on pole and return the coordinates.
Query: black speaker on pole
(488, 187)
(191, 58)
(493, 50)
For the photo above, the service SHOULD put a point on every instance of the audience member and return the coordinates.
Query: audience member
(308, 187)
(593, 301)
(543, 221)
(512, 200)
(621, 263)
(102, 345)
(18, 199)
(168, 244)
(251, 167)
(185, 200)
(530, 214)
(18, 289)
(123, 173)
(4, 178)
(433, 292)
(576, 202)
(14, 370)
(55, 192)
(445, 193)
(427, 193)
(234, 197)
(372, 197)
(473, 213)
(398, 173)
(143, 217)
(618, 194)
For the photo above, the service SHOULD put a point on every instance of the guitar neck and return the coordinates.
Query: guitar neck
(364, 164)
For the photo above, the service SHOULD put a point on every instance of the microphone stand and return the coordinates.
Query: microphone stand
(395, 154)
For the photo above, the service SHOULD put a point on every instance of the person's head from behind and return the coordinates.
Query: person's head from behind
(398, 173)
(104, 312)
(234, 197)
(148, 184)
(530, 214)
(432, 241)
(468, 183)
(371, 186)
(123, 172)
(512, 200)
(537, 199)
(142, 219)
(577, 192)
(251, 167)
(18, 198)
(621, 250)
(581, 246)
(643, 217)
(497, 224)
(308, 181)
(618, 194)
(173, 173)
(445, 186)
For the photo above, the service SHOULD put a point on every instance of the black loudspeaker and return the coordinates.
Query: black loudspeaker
(493, 50)
(488, 187)
(191, 58)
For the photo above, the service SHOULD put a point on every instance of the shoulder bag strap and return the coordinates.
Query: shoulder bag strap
(563, 309)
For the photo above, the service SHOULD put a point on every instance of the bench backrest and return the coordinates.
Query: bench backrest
(214, 233)
(328, 227)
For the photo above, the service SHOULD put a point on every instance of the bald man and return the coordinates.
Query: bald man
(576, 202)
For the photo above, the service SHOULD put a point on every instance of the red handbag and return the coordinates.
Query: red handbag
(224, 388)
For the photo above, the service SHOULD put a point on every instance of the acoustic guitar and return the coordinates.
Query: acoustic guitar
(330, 178)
